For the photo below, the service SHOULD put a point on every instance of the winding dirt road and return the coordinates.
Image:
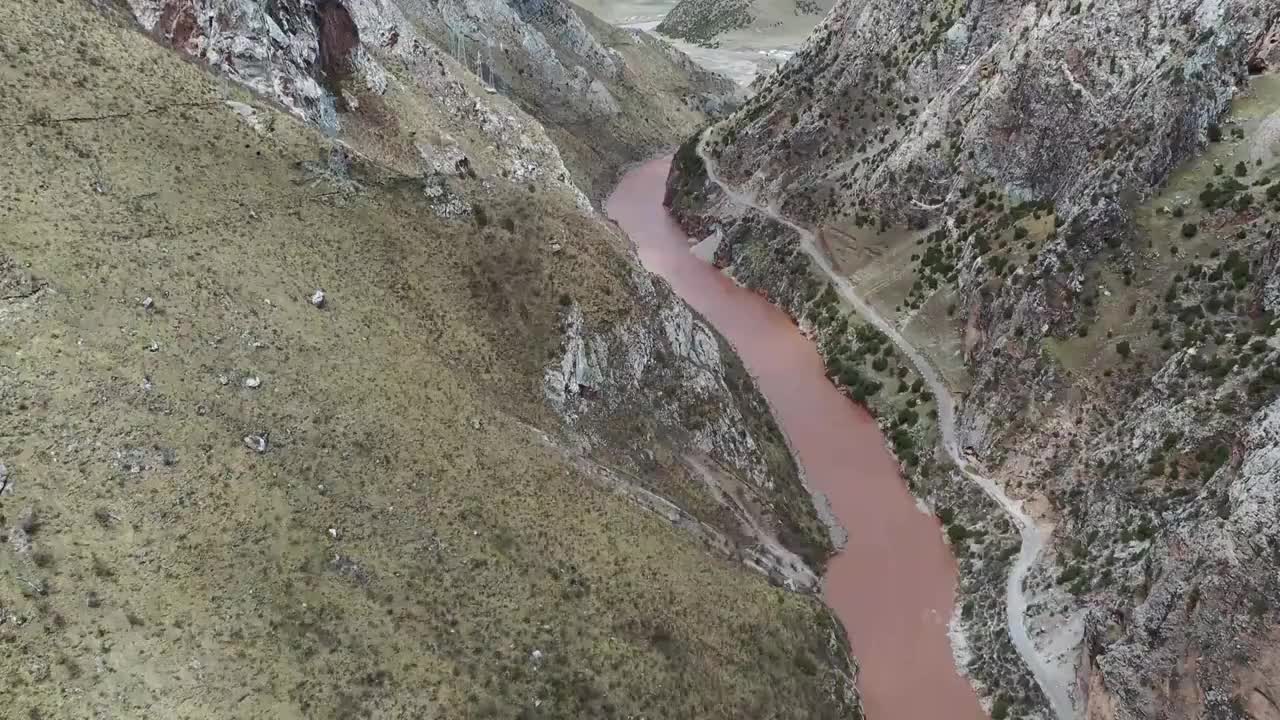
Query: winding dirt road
(1033, 537)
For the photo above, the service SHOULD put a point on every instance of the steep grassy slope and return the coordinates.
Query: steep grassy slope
(222, 501)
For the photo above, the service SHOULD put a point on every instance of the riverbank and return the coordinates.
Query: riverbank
(893, 586)
(774, 257)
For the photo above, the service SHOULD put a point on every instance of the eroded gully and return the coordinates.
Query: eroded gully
(893, 585)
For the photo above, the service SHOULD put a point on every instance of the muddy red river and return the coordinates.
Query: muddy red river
(893, 585)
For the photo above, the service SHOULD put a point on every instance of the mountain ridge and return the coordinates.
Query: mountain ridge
(280, 432)
(1069, 204)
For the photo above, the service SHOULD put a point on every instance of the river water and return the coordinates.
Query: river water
(893, 586)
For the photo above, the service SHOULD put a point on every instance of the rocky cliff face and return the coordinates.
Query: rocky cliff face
(331, 394)
(1072, 205)
(605, 95)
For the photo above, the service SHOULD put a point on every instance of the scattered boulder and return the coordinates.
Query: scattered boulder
(29, 521)
(256, 442)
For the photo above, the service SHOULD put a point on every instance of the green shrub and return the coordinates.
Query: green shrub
(1221, 195)
(1071, 573)
(1190, 230)
(1144, 531)
(1124, 349)
(850, 376)
(902, 441)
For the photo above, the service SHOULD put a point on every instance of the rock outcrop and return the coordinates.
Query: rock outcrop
(604, 95)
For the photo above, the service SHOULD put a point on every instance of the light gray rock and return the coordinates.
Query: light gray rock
(256, 442)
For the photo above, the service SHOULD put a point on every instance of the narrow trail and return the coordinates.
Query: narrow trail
(1033, 537)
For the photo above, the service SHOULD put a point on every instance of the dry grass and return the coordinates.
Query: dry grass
(175, 572)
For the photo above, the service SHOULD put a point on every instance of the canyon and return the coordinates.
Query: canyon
(515, 358)
(892, 584)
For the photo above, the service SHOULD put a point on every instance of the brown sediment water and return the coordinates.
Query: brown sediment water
(893, 585)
